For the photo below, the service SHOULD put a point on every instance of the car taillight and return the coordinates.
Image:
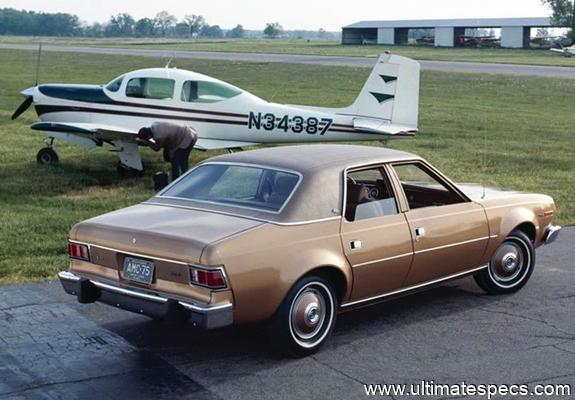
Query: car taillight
(210, 278)
(78, 251)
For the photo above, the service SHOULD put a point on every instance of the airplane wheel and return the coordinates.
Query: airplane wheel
(127, 172)
(47, 156)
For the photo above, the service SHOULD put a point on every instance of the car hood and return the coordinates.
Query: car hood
(478, 192)
(160, 231)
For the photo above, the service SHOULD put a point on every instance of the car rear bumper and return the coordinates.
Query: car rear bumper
(551, 234)
(208, 316)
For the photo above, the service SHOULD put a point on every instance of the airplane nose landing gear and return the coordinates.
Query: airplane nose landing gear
(47, 155)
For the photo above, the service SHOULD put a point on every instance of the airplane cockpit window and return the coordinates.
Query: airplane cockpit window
(150, 88)
(207, 92)
(114, 86)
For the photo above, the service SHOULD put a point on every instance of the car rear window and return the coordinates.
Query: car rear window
(244, 186)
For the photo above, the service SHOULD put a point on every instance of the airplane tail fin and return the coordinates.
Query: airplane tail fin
(389, 100)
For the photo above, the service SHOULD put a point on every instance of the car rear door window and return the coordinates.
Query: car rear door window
(369, 195)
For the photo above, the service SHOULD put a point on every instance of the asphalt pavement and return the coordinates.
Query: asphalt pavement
(448, 66)
(54, 348)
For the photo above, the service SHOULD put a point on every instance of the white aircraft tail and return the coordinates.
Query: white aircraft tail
(389, 100)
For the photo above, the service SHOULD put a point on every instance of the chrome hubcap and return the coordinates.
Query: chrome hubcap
(312, 314)
(507, 262)
(308, 313)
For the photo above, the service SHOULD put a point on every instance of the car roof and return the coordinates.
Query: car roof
(309, 158)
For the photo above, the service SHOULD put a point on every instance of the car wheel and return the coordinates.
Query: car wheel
(306, 317)
(510, 267)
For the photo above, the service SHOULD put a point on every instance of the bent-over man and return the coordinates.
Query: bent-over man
(176, 140)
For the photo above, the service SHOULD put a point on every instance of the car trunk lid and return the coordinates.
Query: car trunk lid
(168, 237)
(160, 231)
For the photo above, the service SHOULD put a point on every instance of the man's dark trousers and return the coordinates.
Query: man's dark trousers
(180, 161)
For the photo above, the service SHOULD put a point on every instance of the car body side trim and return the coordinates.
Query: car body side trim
(382, 260)
(452, 245)
(420, 251)
(411, 288)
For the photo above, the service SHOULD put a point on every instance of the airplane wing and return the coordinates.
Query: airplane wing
(92, 135)
(110, 133)
(97, 131)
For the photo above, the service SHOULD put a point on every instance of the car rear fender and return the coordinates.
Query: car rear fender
(263, 264)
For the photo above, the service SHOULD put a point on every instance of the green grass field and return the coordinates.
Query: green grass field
(523, 126)
(317, 47)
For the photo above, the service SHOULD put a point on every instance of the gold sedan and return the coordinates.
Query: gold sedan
(297, 234)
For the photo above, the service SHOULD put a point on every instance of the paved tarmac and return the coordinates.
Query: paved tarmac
(448, 66)
(54, 348)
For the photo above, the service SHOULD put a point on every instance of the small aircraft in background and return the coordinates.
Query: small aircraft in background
(566, 51)
(478, 41)
(225, 116)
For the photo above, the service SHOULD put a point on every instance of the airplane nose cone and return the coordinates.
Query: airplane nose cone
(28, 92)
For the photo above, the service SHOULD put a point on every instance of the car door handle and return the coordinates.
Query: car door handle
(419, 233)
(355, 244)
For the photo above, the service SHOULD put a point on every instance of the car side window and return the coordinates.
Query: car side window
(150, 88)
(369, 195)
(423, 188)
(207, 92)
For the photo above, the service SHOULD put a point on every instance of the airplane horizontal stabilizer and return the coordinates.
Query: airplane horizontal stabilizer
(381, 127)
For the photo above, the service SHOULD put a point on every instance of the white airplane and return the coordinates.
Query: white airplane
(225, 117)
(566, 51)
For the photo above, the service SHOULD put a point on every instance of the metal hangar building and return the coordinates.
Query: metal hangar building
(515, 32)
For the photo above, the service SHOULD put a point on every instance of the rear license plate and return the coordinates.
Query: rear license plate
(137, 270)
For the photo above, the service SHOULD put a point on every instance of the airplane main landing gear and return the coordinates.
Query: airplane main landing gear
(47, 155)
(128, 172)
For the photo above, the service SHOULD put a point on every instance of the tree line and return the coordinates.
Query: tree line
(563, 14)
(31, 23)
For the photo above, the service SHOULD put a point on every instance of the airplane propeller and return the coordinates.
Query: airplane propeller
(29, 98)
(23, 107)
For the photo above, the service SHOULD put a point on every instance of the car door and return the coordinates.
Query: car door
(375, 234)
(450, 232)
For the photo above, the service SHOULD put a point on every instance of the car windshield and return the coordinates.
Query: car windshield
(254, 187)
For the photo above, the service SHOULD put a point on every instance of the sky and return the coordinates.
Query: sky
(330, 15)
